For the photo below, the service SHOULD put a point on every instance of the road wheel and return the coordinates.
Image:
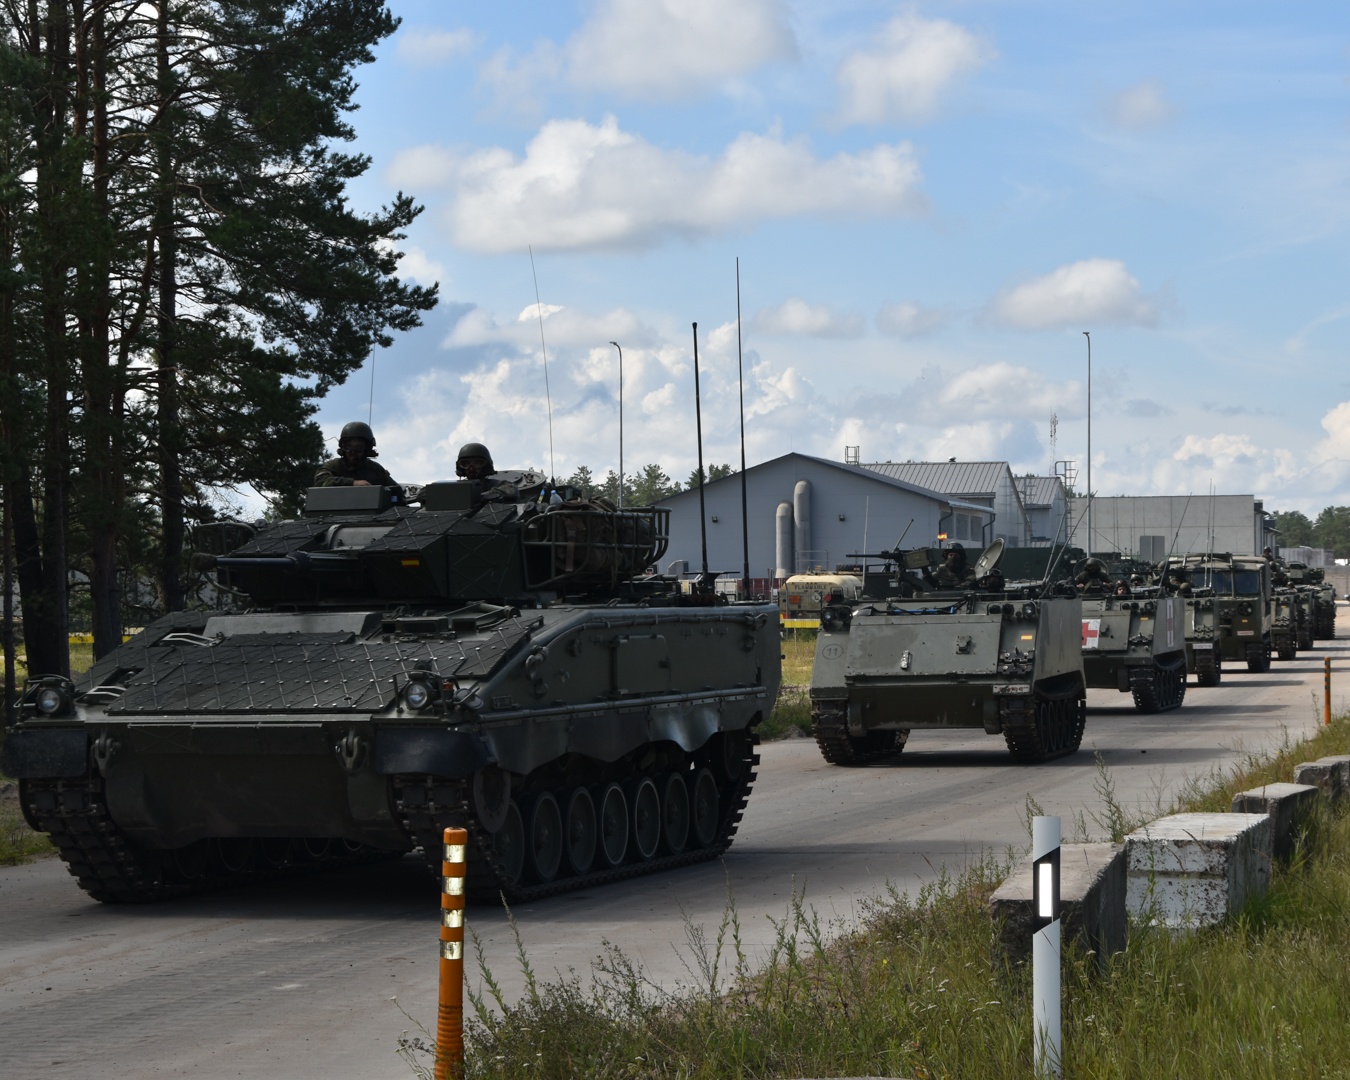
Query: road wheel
(646, 817)
(674, 813)
(544, 851)
(508, 844)
(580, 832)
(704, 810)
(1052, 727)
(1284, 647)
(613, 825)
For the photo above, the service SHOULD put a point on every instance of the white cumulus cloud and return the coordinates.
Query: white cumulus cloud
(1092, 291)
(909, 319)
(582, 185)
(903, 76)
(663, 49)
(1140, 107)
(796, 316)
(428, 48)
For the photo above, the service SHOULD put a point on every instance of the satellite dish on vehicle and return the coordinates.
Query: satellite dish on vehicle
(990, 558)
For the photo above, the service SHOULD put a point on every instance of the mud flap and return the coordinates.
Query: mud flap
(35, 754)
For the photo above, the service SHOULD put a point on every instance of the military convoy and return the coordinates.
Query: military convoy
(488, 656)
(1005, 661)
(1240, 589)
(1137, 645)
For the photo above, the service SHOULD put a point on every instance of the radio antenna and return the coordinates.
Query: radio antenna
(370, 409)
(740, 375)
(698, 423)
(548, 397)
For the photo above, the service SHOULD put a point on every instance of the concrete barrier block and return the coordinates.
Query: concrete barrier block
(1286, 804)
(1092, 899)
(1330, 775)
(1191, 870)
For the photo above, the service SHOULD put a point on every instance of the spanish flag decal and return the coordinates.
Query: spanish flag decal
(412, 562)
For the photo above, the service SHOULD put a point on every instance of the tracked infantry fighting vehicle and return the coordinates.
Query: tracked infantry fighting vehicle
(1240, 588)
(487, 658)
(1009, 662)
(1137, 645)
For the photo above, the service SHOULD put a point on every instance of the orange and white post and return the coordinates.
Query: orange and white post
(450, 1013)
(1326, 703)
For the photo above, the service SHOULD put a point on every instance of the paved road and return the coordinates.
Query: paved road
(296, 979)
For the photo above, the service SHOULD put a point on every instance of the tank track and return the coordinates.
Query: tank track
(829, 721)
(1305, 637)
(427, 805)
(1158, 689)
(112, 869)
(1039, 728)
(1325, 627)
(1258, 656)
(1208, 667)
(1283, 642)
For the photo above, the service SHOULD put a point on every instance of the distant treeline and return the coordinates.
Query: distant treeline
(648, 485)
(1330, 530)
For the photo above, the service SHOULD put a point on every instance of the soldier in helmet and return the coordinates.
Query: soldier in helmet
(353, 466)
(1092, 581)
(1179, 578)
(474, 462)
(955, 572)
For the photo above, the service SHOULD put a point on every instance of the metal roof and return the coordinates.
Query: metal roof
(980, 478)
(1039, 490)
(867, 472)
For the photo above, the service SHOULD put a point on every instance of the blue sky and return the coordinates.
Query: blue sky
(930, 203)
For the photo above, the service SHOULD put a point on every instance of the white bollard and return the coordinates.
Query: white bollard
(1045, 971)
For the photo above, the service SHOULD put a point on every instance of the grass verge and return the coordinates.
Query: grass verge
(18, 843)
(913, 989)
(792, 710)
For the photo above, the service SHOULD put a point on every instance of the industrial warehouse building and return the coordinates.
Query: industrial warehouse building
(805, 512)
(989, 484)
(1152, 526)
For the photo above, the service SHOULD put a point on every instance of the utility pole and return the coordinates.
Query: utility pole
(1088, 335)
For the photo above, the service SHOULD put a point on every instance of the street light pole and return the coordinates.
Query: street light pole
(616, 345)
(1088, 335)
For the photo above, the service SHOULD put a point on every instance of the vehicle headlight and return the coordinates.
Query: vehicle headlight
(1029, 611)
(50, 701)
(417, 695)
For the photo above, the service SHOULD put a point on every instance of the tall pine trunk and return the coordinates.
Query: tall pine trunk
(103, 504)
(170, 438)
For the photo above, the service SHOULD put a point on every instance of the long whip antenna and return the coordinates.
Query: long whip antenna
(698, 421)
(740, 375)
(370, 409)
(548, 397)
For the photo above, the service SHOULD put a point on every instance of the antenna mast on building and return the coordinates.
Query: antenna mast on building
(1054, 437)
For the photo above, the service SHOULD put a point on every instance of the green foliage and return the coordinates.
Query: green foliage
(715, 472)
(1295, 528)
(1332, 530)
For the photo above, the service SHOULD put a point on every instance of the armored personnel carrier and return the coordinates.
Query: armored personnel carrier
(1239, 586)
(1287, 614)
(1137, 645)
(1313, 581)
(1007, 661)
(1204, 658)
(486, 657)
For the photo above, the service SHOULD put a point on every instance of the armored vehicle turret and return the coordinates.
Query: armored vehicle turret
(487, 655)
(969, 655)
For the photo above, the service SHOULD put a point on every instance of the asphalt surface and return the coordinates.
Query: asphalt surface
(297, 979)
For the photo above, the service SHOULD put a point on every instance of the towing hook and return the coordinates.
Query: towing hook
(351, 751)
(105, 746)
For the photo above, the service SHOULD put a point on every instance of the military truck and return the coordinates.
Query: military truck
(1240, 588)
(1006, 661)
(484, 656)
(1137, 645)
